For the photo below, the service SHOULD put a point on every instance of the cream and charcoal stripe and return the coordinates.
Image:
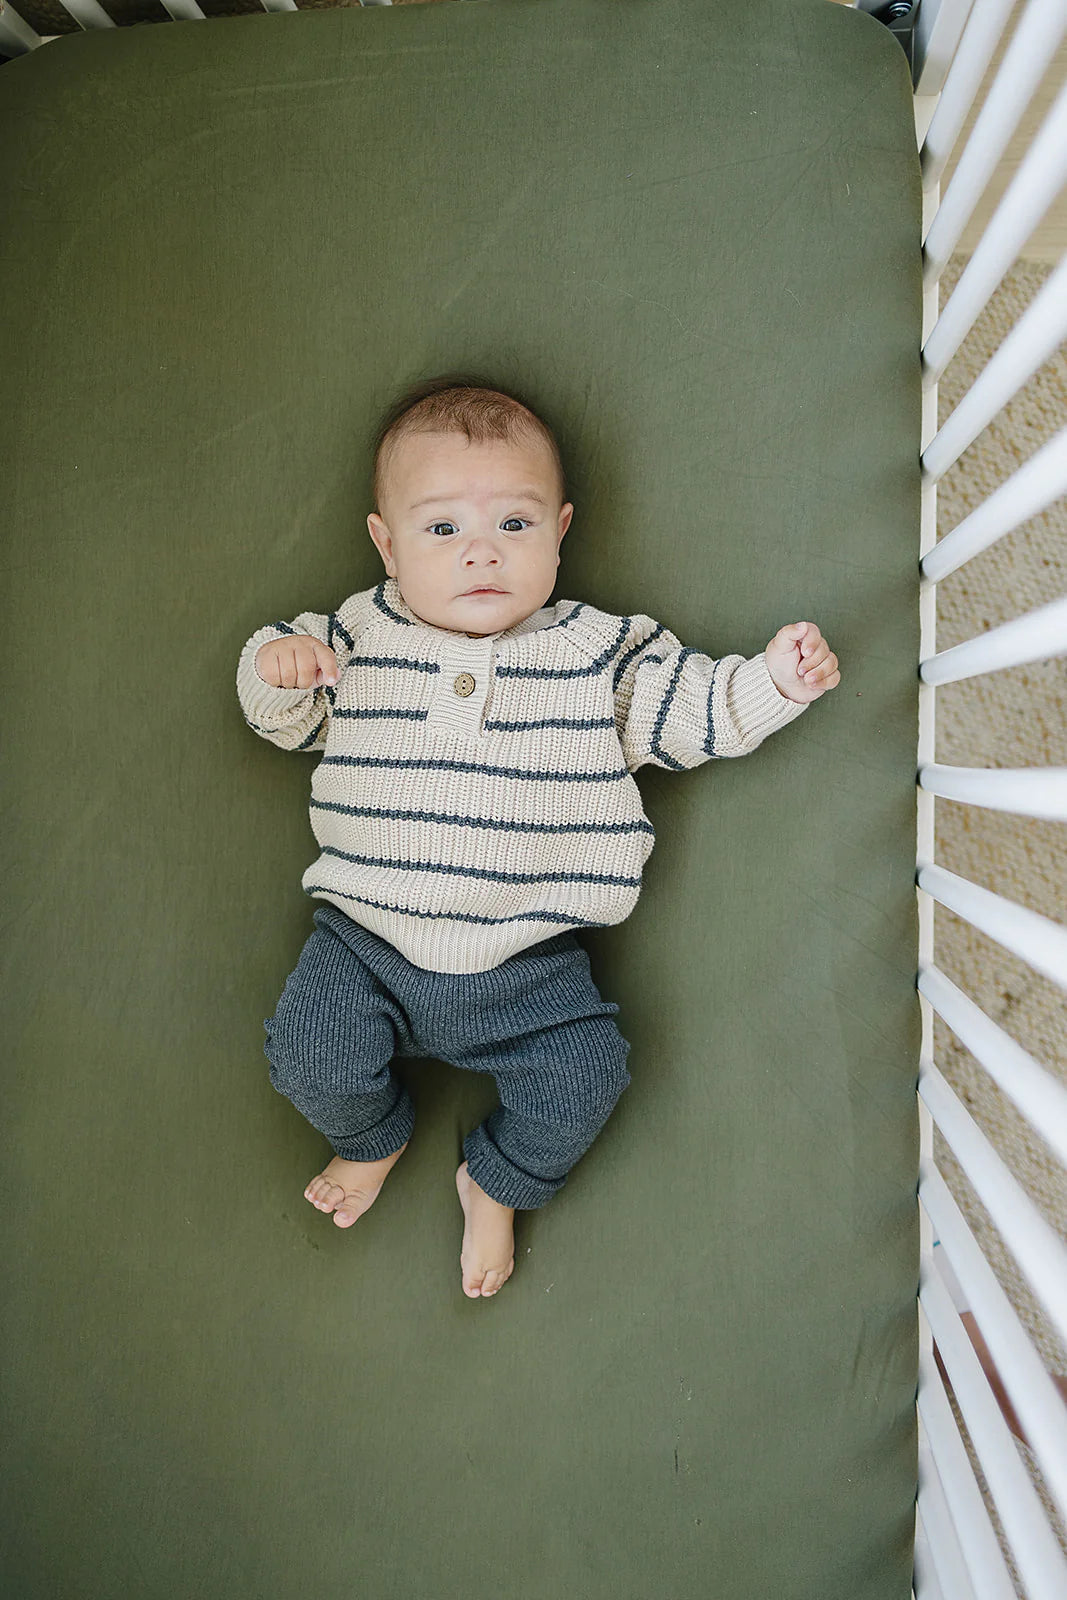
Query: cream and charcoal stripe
(569, 918)
(528, 820)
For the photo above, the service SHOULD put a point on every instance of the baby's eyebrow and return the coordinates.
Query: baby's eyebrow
(523, 494)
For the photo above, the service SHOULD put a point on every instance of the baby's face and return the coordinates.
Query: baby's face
(459, 516)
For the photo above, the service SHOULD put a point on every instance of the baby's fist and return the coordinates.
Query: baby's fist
(801, 662)
(299, 661)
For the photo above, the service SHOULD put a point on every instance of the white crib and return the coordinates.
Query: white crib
(958, 1554)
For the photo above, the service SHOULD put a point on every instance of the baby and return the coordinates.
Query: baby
(475, 805)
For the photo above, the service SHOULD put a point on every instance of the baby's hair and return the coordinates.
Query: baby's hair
(459, 403)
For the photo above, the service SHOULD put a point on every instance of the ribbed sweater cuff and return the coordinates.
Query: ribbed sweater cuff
(757, 704)
(262, 702)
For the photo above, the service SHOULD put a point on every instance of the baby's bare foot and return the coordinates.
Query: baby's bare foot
(348, 1188)
(488, 1253)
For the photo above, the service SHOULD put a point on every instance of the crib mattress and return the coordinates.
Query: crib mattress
(690, 235)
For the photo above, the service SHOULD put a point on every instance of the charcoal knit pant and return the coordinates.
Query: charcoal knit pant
(536, 1022)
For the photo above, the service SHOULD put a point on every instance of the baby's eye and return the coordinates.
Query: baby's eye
(451, 526)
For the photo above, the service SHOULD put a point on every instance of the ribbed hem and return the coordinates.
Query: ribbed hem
(502, 1181)
(450, 944)
(757, 704)
(384, 1140)
(261, 701)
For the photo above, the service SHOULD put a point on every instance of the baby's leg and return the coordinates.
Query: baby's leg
(558, 1087)
(329, 1044)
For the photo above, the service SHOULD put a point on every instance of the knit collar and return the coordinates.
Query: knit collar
(389, 599)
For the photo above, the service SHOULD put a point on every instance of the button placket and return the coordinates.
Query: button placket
(463, 686)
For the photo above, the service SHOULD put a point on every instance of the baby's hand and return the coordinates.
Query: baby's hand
(801, 662)
(299, 661)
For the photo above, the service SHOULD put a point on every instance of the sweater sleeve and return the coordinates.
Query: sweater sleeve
(676, 707)
(293, 719)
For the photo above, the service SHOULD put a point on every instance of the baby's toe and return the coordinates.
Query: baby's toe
(324, 1194)
(495, 1278)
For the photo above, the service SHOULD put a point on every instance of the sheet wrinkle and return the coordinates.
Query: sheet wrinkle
(843, 127)
(702, 172)
(642, 299)
(858, 1016)
(884, 960)
(874, 1356)
(242, 422)
(878, 906)
(503, 220)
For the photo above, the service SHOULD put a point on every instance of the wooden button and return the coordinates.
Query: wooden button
(464, 684)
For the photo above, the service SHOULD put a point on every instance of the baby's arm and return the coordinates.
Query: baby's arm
(293, 718)
(677, 707)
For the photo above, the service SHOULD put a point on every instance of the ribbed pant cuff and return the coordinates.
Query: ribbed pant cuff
(502, 1181)
(386, 1139)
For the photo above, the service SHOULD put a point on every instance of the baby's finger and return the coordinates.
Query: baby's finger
(307, 667)
(790, 634)
(820, 678)
(326, 663)
(288, 669)
(818, 655)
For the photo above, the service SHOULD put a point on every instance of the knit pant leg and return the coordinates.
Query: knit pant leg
(329, 1045)
(557, 1090)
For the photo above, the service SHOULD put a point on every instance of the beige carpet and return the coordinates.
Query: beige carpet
(1015, 718)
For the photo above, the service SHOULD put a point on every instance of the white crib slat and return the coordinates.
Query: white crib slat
(1036, 939)
(1040, 635)
(1037, 1094)
(1040, 178)
(936, 39)
(1041, 1563)
(88, 14)
(184, 10)
(1026, 791)
(1031, 341)
(1037, 1401)
(17, 38)
(943, 1573)
(1036, 484)
(927, 1585)
(1034, 43)
(968, 68)
(965, 1546)
(1036, 1246)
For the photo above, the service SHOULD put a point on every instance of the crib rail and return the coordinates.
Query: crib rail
(958, 1552)
(17, 37)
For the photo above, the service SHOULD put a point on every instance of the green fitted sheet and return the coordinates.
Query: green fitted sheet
(690, 234)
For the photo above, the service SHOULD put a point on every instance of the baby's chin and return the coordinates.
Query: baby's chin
(477, 613)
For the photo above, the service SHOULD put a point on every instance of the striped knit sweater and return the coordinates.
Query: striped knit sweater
(475, 795)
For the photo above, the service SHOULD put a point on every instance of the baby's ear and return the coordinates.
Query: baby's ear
(381, 536)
